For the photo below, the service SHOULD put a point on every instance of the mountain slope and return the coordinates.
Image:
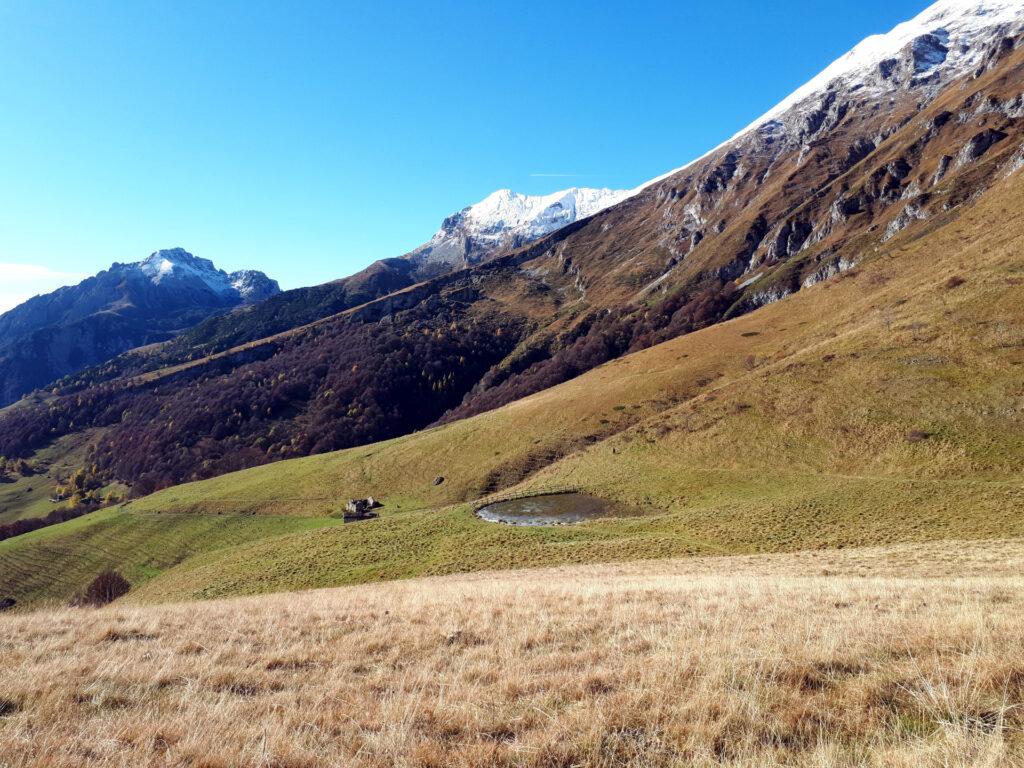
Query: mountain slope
(126, 306)
(829, 175)
(837, 172)
(884, 406)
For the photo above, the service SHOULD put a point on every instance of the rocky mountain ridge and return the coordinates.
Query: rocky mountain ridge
(787, 184)
(948, 40)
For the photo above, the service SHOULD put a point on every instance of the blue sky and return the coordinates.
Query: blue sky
(308, 138)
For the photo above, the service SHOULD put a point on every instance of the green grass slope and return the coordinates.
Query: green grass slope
(884, 405)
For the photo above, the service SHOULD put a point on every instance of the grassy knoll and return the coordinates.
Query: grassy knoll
(882, 406)
(911, 655)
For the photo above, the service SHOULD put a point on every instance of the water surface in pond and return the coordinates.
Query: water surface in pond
(550, 509)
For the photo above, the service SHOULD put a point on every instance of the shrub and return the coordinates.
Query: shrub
(105, 588)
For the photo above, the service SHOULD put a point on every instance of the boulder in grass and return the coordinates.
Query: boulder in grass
(361, 509)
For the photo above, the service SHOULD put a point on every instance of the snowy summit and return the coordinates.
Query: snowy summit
(172, 265)
(941, 41)
(532, 216)
(507, 219)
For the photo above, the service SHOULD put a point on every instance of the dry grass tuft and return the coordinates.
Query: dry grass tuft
(869, 657)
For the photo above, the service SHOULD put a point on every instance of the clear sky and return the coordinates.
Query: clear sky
(309, 138)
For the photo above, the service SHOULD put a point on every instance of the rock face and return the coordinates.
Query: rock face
(505, 220)
(126, 306)
(862, 147)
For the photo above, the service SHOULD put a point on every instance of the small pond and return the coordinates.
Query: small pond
(550, 509)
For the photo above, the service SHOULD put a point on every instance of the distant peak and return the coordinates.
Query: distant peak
(170, 261)
(179, 253)
(510, 210)
(169, 265)
(506, 218)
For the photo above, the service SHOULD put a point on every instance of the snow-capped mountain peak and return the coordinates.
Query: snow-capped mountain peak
(507, 219)
(177, 264)
(532, 215)
(125, 306)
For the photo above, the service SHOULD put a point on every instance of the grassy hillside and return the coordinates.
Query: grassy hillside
(884, 405)
(908, 656)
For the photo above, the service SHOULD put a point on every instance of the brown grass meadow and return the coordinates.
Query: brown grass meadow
(905, 656)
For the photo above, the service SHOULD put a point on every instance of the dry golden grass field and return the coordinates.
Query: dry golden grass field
(910, 655)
